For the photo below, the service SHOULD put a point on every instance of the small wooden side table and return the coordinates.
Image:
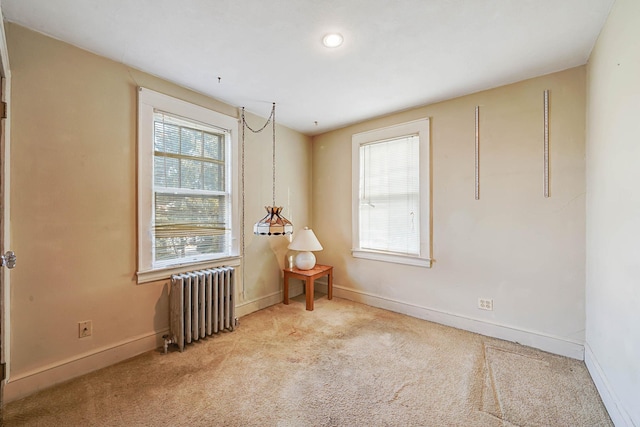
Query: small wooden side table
(308, 276)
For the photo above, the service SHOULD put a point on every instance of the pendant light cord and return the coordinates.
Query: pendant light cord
(273, 152)
(242, 229)
(271, 119)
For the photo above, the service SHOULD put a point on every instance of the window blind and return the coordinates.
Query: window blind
(191, 193)
(389, 199)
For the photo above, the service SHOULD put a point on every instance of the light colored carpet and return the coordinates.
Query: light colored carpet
(344, 364)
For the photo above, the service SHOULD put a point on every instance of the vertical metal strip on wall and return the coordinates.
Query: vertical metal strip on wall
(477, 164)
(546, 143)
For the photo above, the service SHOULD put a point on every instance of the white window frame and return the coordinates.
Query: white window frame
(420, 127)
(148, 101)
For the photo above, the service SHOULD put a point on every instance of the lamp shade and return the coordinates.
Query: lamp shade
(273, 224)
(305, 241)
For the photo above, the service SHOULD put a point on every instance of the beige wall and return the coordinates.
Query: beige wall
(613, 214)
(513, 245)
(73, 209)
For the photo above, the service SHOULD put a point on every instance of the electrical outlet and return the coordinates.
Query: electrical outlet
(485, 304)
(84, 329)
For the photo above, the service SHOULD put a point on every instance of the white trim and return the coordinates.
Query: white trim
(549, 343)
(389, 257)
(165, 273)
(617, 413)
(29, 382)
(249, 307)
(4, 52)
(148, 100)
(26, 383)
(421, 127)
(295, 288)
(5, 322)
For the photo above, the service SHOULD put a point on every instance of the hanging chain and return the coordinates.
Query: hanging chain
(243, 198)
(271, 119)
(242, 227)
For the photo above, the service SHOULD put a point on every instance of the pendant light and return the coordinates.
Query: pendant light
(274, 223)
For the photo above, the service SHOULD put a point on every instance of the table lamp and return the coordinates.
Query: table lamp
(305, 242)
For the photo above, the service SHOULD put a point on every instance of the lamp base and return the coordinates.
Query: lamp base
(305, 260)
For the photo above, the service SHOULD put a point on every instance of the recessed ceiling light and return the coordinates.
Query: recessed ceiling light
(332, 40)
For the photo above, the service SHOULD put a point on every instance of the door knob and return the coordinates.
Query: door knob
(8, 259)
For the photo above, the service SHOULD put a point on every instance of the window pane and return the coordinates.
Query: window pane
(158, 136)
(389, 196)
(213, 176)
(190, 225)
(173, 172)
(166, 171)
(191, 174)
(191, 142)
(166, 137)
(189, 156)
(213, 146)
(159, 171)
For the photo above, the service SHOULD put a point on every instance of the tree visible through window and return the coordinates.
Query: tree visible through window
(188, 205)
(191, 214)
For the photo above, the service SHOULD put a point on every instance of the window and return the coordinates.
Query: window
(391, 201)
(187, 186)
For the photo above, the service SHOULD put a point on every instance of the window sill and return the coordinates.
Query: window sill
(165, 273)
(394, 258)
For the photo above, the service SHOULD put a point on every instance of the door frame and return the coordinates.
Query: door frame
(5, 151)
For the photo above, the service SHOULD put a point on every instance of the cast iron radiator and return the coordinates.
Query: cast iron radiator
(201, 304)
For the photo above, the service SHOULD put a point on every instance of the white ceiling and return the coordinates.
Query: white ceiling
(396, 54)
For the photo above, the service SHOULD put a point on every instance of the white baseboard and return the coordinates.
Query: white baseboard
(24, 384)
(551, 344)
(248, 307)
(618, 414)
